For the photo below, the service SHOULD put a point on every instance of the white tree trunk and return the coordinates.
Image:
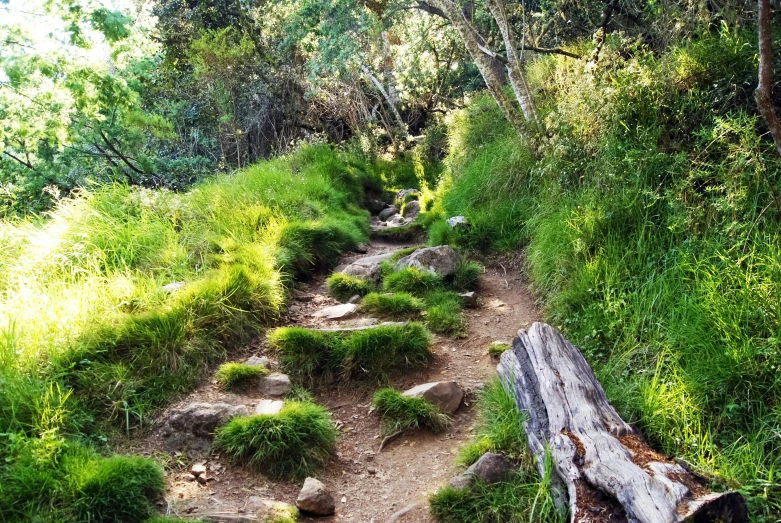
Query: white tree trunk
(602, 467)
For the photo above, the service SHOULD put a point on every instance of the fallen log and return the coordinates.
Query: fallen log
(603, 471)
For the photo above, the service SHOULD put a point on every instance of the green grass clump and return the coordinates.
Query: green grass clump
(499, 427)
(497, 348)
(406, 233)
(343, 287)
(395, 305)
(400, 413)
(467, 276)
(291, 444)
(374, 353)
(232, 375)
(443, 313)
(522, 498)
(412, 281)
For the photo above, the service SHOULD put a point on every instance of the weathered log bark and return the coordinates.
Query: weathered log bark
(609, 472)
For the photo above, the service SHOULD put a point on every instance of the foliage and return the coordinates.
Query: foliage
(467, 276)
(343, 287)
(400, 413)
(497, 348)
(412, 281)
(443, 313)
(291, 444)
(396, 305)
(232, 375)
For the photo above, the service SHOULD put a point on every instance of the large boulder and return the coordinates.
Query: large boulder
(192, 426)
(275, 385)
(366, 268)
(315, 498)
(388, 212)
(446, 395)
(491, 468)
(441, 260)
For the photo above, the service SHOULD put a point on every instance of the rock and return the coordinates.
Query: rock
(469, 300)
(405, 192)
(491, 468)
(397, 220)
(315, 498)
(171, 287)
(304, 297)
(269, 407)
(366, 268)
(441, 260)
(272, 510)
(198, 469)
(293, 309)
(462, 481)
(187, 477)
(354, 299)
(337, 312)
(202, 479)
(457, 222)
(446, 395)
(257, 361)
(388, 212)
(275, 385)
(191, 427)
(362, 248)
(375, 205)
(411, 209)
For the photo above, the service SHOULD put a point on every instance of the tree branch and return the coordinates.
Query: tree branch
(764, 90)
(119, 154)
(546, 50)
(601, 34)
(25, 163)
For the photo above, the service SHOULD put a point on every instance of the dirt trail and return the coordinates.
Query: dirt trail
(368, 486)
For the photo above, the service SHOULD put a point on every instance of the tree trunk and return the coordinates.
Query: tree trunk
(483, 61)
(517, 79)
(764, 91)
(610, 473)
(388, 99)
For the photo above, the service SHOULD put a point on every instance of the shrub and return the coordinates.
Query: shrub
(467, 276)
(443, 313)
(396, 305)
(400, 413)
(412, 281)
(118, 489)
(497, 348)
(343, 287)
(232, 375)
(375, 352)
(291, 444)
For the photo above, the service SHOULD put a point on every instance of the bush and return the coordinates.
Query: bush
(400, 413)
(396, 305)
(343, 287)
(412, 281)
(375, 352)
(119, 489)
(291, 444)
(467, 276)
(232, 375)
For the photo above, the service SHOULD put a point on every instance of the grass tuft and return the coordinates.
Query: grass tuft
(467, 276)
(343, 287)
(396, 305)
(443, 313)
(412, 281)
(400, 413)
(231, 375)
(497, 348)
(291, 444)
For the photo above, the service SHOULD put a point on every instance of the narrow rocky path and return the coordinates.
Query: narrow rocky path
(368, 486)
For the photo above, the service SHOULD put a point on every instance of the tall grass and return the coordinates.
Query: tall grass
(651, 229)
(88, 333)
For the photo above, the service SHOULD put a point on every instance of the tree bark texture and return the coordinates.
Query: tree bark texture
(764, 92)
(603, 471)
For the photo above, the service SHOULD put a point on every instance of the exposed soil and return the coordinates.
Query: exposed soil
(368, 486)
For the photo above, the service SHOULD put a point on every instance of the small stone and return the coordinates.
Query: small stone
(461, 482)
(198, 469)
(293, 309)
(315, 498)
(371, 470)
(457, 222)
(388, 212)
(202, 479)
(441, 260)
(337, 312)
(304, 297)
(446, 395)
(171, 287)
(257, 361)
(491, 468)
(469, 300)
(362, 248)
(354, 299)
(276, 385)
(187, 477)
(269, 407)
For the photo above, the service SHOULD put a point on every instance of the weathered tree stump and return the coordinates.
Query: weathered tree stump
(602, 469)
